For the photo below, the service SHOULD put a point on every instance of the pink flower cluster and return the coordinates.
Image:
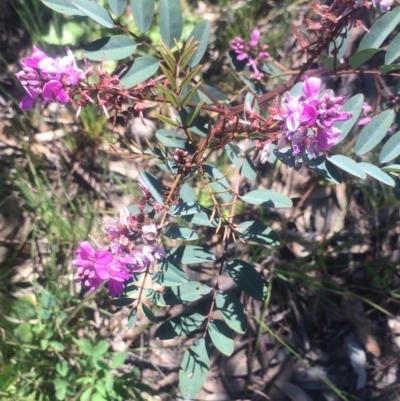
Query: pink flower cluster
(48, 79)
(132, 248)
(252, 52)
(307, 121)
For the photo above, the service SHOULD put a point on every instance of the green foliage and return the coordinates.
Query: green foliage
(111, 48)
(171, 22)
(374, 132)
(143, 13)
(139, 70)
(194, 369)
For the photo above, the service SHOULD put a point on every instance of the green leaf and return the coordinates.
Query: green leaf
(139, 70)
(188, 292)
(297, 90)
(120, 302)
(180, 233)
(118, 6)
(232, 311)
(194, 369)
(267, 198)
(95, 12)
(256, 231)
(85, 346)
(201, 34)
(246, 277)
(324, 168)
(358, 59)
(110, 48)
(63, 6)
(119, 359)
(244, 164)
(143, 13)
(217, 95)
(154, 186)
(172, 139)
(341, 42)
(185, 209)
(391, 149)
(384, 69)
(353, 105)
(169, 274)
(380, 30)
(374, 132)
(393, 168)
(171, 22)
(221, 336)
(187, 193)
(155, 297)
(132, 318)
(190, 254)
(377, 173)
(179, 326)
(149, 313)
(101, 348)
(203, 217)
(348, 165)
(218, 182)
(393, 51)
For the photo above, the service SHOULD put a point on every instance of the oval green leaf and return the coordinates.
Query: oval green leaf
(221, 336)
(143, 13)
(63, 6)
(171, 21)
(180, 233)
(203, 217)
(348, 165)
(393, 168)
(201, 34)
(377, 173)
(111, 48)
(139, 70)
(169, 274)
(100, 349)
(132, 318)
(149, 313)
(267, 198)
(391, 149)
(353, 105)
(246, 277)
(179, 326)
(171, 139)
(95, 12)
(256, 231)
(117, 6)
(232, 311)
(393, 51)
(194, 369)
(374, 132)
(190, 254)
(244, 164)
(153, 185)
(188, 292)
(380, 30)
(358, 59)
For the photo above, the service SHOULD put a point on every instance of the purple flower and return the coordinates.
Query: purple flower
(252, 52)
(98, 266)
(46, 78)
(255, 37)
(307, 120)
